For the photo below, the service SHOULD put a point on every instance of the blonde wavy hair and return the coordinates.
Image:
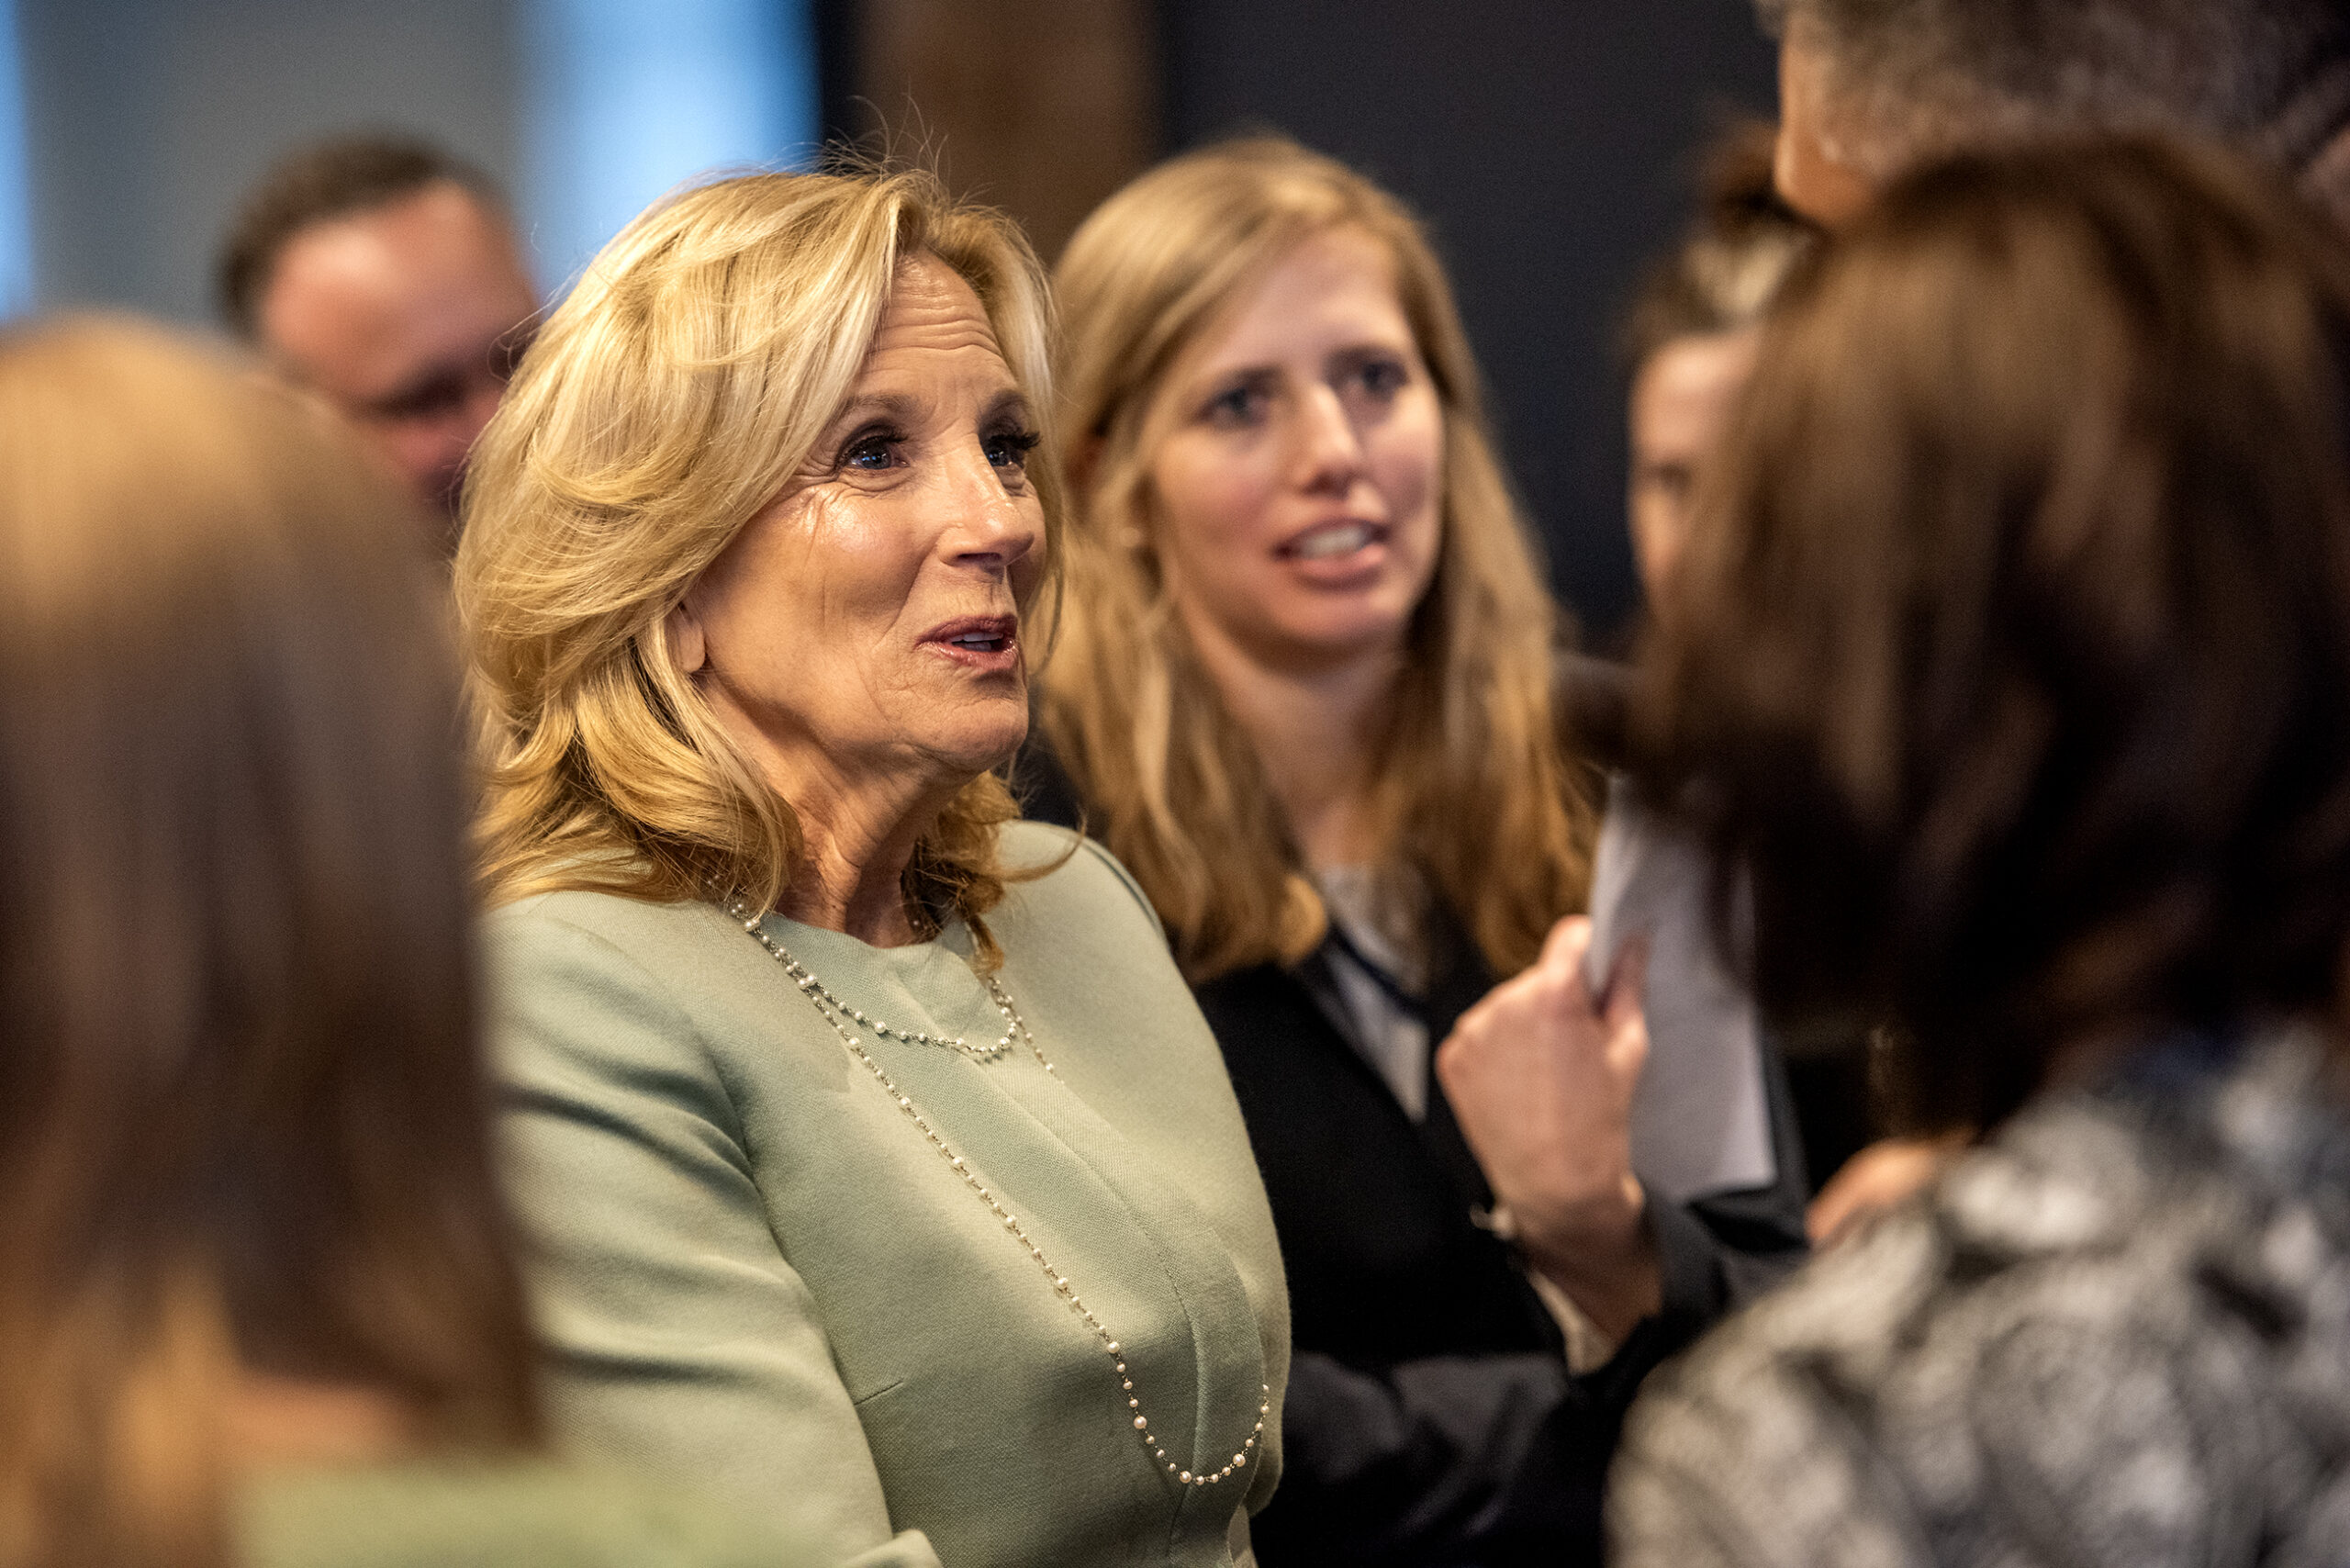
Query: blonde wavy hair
(666, 401)
(1479, 804)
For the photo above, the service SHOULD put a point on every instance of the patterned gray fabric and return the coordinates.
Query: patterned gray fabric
(2117, 1337)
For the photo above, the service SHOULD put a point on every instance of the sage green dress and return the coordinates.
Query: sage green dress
(756, 1273)
(447, 1514)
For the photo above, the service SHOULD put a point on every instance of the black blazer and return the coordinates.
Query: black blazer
(1430, 1417)
(1377, 1215)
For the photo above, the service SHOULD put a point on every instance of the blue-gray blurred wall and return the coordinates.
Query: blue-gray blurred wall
(146, 120)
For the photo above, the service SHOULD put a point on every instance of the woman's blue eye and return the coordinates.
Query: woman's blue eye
(870, 452)
(1009, 449)
(1239, 406)
(1384, 377)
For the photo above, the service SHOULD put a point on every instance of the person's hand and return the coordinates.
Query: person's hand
(1540, 1076)
(1878, 1178)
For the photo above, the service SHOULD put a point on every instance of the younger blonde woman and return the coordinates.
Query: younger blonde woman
(1303, 691)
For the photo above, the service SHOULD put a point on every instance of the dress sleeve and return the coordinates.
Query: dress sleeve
(682, 1342)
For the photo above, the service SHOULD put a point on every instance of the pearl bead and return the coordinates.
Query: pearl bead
(1142, 1423)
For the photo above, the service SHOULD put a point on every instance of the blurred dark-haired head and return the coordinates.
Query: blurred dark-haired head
(385, 276)
(1690, 337)
(2013, 647)
(242, 1122)
(1729, 267)
(316, 185)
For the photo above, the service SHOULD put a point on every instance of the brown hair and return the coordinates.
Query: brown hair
(318, 184)
(243, 1125)
(1479, 798)
(1725, 274)
(669, 400)
(2013, 648)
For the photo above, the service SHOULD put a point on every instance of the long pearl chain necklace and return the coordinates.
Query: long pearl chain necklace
(841, 1016)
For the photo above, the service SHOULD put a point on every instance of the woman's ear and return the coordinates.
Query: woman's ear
(681, 628)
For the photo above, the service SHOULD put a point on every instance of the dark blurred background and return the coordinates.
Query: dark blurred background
(1549, 143)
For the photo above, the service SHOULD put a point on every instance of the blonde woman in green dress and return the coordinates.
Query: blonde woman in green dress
(884, 1174)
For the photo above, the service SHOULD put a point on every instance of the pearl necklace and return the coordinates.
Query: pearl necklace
(839, 1014)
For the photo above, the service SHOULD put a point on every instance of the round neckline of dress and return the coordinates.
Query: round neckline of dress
(938, 992)
(817, 945)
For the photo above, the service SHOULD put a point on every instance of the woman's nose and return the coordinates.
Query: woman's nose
(1329, 448)
(989, 526)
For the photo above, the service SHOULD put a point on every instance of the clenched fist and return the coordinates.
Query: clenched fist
(1540, 1076)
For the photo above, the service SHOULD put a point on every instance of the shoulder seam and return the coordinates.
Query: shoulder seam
(669, 1003)
(1125, 878)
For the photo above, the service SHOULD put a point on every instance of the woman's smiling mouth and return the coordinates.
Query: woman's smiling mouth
(1331, 541)
(979, 641)
(1344, 554)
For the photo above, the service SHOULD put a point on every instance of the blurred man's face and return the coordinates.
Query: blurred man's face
(407, 318)
(1816, 171)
